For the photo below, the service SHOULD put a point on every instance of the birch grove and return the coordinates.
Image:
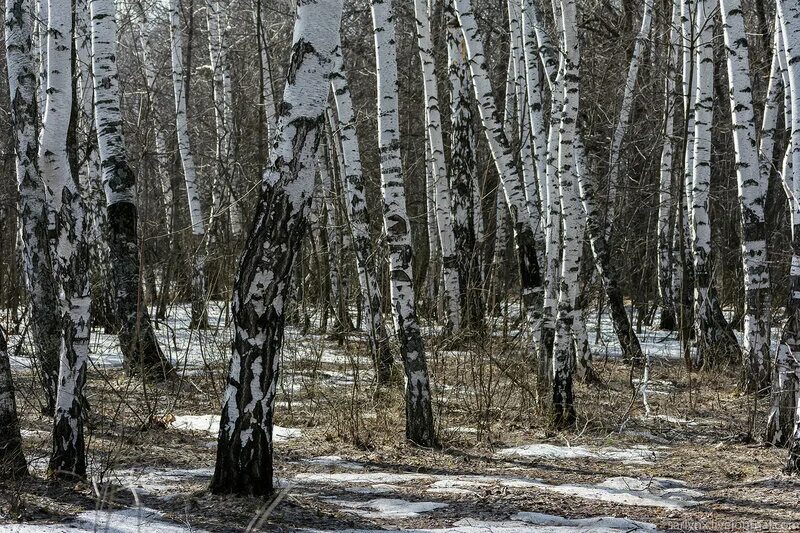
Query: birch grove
(371, 245)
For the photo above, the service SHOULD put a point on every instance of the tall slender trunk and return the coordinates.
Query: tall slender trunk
(443, 203)
(502, 155)
(58, 161)
(785, 392)
(356, 201)
(715, 341)
(666, 169)
(562, 407)
(752, 198)
(789, 14)
(263, 279)
(138, 342)
(33, 207)
(198, 242)
(463, 175)
(419, 412)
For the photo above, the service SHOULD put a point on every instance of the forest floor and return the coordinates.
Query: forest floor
(686, 457)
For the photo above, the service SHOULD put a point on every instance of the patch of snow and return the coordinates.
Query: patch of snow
(646, 492)
(597, 523)
(388, 507)
(210, 424)
(120, 521)
(366, 478)
(633, 455)
(378, 488)
(334, 460)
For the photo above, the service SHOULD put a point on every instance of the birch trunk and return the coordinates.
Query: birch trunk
(562, 407)
(667, 165)
(502, 155)
(198, 242)
(789, 13)
(419, 412)
(137, 339)
(261, 287)
(785, 393)
(443, 203)
(714, 340)
(356, 202)
(33, 207)
(752, 198)
(463, 173)
(58, 162)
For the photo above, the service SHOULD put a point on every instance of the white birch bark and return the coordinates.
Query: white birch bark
(244, 452)
(467, 220)
(71, 252)
(513, 188)
(752, 198)
(356, 202)
(199, 314)
(33, 206)
(714, 341)
(562, 407)
(443, 204)
(137, 339)
(667, 165)
(789, 16)
(419, 412)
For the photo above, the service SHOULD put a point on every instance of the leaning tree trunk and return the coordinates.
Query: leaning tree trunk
(715, 341)
(263, 279)
(58, 162)
(789, 13)
(444, 219)
(12, 460)
(463, 179)
(419, 412)
(752, 197)
(665, 250)
(785, 391)
(198, 242)
(37, 259)
(562, 406)
(356, 202)
(502, 155)
(136, 337)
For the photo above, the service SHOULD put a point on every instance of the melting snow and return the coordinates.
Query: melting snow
(334, 460)
(388, 507)
(634, 455)
(647, 492)
(210, 424)
(122, 521)
(359, 478)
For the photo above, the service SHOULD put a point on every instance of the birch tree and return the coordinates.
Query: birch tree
(752, 198)
(443, 204)
(666, 169)
(419, 412)
(563, 409)
(502, 156)
(198, 243)
(57, 163)
(789, 13)
(33, 207)
(356, 202)
(714, 339)
(463, 174)
(137, 338)
(244, 451)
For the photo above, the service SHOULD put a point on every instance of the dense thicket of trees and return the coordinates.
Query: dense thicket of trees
(454, 159)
